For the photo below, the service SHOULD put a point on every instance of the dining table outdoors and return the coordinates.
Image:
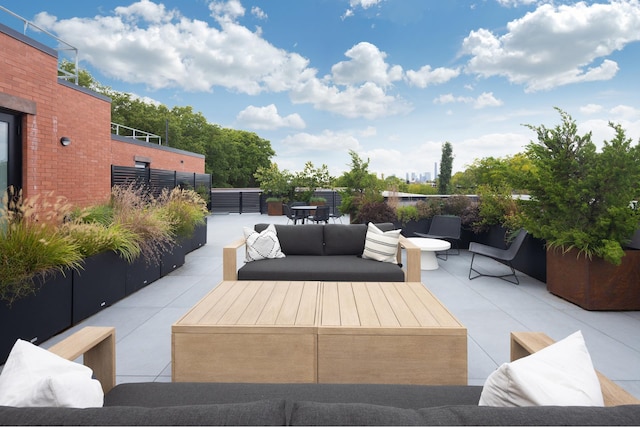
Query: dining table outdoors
(304, 210)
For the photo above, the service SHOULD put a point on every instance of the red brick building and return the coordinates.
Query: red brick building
(38, 110)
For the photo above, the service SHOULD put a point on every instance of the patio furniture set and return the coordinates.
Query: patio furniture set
(300, 347)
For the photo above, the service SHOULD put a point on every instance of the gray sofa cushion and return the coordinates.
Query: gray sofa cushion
(316, 413)
(344, 268)
(344, 239)
(307, 239)
(265, 412)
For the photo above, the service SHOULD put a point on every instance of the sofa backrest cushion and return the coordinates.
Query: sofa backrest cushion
(316, 413)
(344, 239)
(305, 239)
(264, 412)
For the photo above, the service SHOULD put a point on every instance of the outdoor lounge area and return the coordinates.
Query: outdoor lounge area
(488, 307)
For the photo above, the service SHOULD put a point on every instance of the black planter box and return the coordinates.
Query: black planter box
(412, 226)
(100, 284)
(37, 317)
(141, 273)
(174, 257)
(199, 237)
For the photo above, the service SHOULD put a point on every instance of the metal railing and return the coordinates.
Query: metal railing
(128, 132)
(62, 46)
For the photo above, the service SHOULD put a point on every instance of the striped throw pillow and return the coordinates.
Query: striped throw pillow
(381, 245)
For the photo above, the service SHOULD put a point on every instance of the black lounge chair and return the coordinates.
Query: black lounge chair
(445, 227)
(506, 255)
(321, 215)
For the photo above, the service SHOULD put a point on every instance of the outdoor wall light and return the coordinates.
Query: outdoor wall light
(65, 140)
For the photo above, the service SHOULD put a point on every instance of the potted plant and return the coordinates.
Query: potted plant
(36, 260)
(276, 185)
(580, 205)
(317, 201)
(274, 206)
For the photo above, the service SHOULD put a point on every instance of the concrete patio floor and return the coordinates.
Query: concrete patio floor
(490, 309)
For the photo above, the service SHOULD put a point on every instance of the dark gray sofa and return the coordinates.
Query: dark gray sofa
(303, 404)
(323, 252)
(308, 404)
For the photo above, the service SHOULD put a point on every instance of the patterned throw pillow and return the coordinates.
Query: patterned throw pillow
(263, 245)
(381, 245)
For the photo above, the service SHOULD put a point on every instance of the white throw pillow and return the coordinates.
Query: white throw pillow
(33, 376)
(561, 374)
(381, 245)
(263, 245)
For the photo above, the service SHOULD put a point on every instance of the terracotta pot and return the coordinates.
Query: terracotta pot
(595, 284)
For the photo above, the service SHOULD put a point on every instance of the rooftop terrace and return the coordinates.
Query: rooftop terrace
(490, 309)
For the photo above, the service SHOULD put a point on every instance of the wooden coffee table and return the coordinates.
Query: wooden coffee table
(337, 332)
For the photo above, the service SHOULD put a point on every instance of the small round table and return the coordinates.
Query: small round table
(428, 248)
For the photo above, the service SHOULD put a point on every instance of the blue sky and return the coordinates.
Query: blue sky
(390, 79)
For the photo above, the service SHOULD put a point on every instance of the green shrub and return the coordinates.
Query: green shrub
(376, 212)
(406, 214)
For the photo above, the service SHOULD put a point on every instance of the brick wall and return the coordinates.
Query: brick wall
(50, 110)
(126, 153)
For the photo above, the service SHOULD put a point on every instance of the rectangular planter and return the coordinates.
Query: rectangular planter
(37, 317)
(199, 238)
(595, 284)
(140, 273)
(100, 284)
(174, 257)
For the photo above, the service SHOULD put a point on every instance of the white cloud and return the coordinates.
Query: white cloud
(146, 43)
(486, 99)
(591, 109)
(556, 45)
(425, 76)
(328, 140)
(368, 100)
(258, 13)
(494, 145)
(515, 3)
(268, 118)
(367, 64)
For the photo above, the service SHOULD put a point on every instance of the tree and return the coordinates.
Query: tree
(580, 197)
(446, 166)
(311, 178)
(359, 186)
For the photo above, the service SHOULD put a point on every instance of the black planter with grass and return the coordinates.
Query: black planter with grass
(174, 258)
(140, 273)
(100, 283)
(37, 317)
(199, 237)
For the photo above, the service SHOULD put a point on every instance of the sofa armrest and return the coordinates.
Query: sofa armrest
(412, 269)
(97, 345)
(526, 343)
(229, 259)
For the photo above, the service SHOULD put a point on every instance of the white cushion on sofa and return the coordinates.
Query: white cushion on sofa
(561, 375)
(263, 245)
(381, 245)
(33, 376)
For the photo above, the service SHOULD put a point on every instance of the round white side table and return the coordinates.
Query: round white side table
(428, 248)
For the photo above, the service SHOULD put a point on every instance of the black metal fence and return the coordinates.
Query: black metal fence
(158, 179)
(251, 200)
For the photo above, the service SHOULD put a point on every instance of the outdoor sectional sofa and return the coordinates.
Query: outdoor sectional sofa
(302, 404)
(323, 252)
